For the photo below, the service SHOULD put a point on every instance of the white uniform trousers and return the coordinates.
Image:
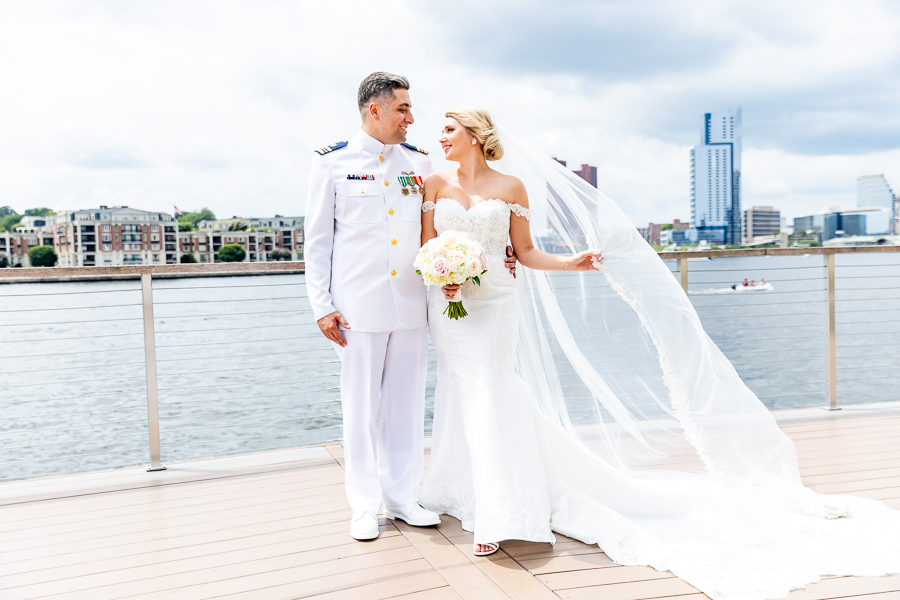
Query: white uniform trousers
(383, 398)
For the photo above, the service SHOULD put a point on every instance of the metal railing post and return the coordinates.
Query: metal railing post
(683, 269)
(150, 363)
(832, 351)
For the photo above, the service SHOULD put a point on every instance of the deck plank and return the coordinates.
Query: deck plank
(246, 530)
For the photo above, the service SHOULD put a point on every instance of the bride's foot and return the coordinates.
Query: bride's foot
(485, 549)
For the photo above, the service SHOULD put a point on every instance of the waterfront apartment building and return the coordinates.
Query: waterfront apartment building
(16, 244)
(716, 179)
(112, 236)
(119, 235)
(759, 221)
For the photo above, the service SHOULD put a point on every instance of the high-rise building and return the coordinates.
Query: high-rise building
(588, 173)
(873, 192)
(716, 178)
(759, 221)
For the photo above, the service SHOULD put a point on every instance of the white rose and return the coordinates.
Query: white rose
(473, 266)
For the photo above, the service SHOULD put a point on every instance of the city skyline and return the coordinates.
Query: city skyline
(118, 104)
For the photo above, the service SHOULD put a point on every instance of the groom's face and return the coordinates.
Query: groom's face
(394, 117)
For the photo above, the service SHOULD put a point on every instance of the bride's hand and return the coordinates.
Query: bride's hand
(451, 290)
(585, 261)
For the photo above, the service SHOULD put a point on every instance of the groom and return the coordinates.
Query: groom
(363, 231)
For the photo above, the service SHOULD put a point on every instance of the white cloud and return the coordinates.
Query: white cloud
(220, 103)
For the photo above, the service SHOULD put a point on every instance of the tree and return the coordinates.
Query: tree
(188, 258)
(9, 219)
(231, 253)
(39, 212)
(280, 254)
(4, 260)
(192, 218)
(183, 226)
(238, 226)
(6, 210)
(42, 256)
(666, 227)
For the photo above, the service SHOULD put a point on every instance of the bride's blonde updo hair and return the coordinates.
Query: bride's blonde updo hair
(480, 125)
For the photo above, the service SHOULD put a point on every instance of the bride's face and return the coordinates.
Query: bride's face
(456, 141)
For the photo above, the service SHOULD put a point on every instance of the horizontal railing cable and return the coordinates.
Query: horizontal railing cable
(255, 408)
(243, 314)
(69, 322)
(29, 430)
(763, 316)
(230, 329)
(54, 369)
(77, 412)
(103, 395)
(234, 383)
(155, 303)
(278, 352)
(191, 403)
(231, 370)
(136, 290)
(300, 393)
(57, 353)
(21, 310)
(779, 327)
(43, 383)
(251, 342)
(254, 437)
(160, 288)
(754, 305)
(70, 442)
(80, 337)
(170, 431)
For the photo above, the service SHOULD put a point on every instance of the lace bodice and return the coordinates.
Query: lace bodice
(486, 222)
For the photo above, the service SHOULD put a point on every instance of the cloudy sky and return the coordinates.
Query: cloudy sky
(220, 103)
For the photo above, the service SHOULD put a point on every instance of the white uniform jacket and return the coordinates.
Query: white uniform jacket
(362, 235)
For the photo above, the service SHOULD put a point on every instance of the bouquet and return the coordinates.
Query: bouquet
(451, 258)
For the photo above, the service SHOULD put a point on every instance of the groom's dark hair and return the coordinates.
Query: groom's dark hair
(379, 86)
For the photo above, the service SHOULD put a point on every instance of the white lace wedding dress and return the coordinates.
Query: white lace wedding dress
(507, 471)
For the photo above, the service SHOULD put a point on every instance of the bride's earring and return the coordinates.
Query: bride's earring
(474, 141)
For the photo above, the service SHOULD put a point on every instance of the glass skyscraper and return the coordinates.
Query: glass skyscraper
(716, 178)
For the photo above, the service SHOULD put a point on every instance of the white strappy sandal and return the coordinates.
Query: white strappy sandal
(493, 548)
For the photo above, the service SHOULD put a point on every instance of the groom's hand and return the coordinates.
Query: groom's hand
(510, 261)
(329, 326)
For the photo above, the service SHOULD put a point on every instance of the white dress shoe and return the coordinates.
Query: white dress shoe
(414, 514)
(364, 526)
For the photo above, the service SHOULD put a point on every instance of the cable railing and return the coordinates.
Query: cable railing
(115, 367)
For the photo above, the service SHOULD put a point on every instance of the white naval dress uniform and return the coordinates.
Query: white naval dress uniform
(362, 236)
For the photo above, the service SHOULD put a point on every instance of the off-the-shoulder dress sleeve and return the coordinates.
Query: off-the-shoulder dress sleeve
(520, 211)
(428, 205)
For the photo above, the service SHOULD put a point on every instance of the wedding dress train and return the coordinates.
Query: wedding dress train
(507, 464)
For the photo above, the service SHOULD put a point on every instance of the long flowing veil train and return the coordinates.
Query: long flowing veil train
(621, 361)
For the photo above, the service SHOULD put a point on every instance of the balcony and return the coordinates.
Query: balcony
(226, 379)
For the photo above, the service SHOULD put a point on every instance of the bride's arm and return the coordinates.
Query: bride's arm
(432, 183)
(531, 257)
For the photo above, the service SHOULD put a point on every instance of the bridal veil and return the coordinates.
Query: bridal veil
(619, 360)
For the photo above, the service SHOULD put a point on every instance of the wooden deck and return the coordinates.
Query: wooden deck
(275, 526)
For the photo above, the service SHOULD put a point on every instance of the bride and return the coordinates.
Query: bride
(595, 406)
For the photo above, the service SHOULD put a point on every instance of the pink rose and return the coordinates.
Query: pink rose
(483, 260)
(440, 267)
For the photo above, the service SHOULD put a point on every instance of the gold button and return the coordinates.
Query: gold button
(394, 242)
(393, 272)
(391, 211)
(381, 158)
(386, 182)
(362, 191)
